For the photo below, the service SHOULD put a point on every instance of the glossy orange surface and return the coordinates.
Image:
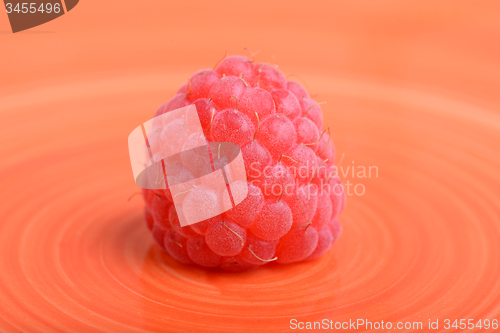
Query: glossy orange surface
(412, 88)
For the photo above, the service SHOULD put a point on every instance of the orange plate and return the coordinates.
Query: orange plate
(410, 90)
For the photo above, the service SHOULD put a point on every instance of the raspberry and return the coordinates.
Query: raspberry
(258, 251)
(302, 163)
(323, 210)
(178, 101)
(325, 239)
(199, 201)
(178, 174)
(183, 89)
(311, 110)
(325, 148)
(172, 135)
(200, 83)
(148, 196)
(176, 246)
(303, 204)
(335, 228)
(175, 225)
(277, 134)
(337, 195)
(159, 235)
(225, 238)
(194, 159)
(232, 126)
(297, 245)
(235, 264)
(307, 132)
(324, 173)
(206, 111)
(269, 77)
(256, 158)
(257, 101)
(227, 91)
(286, 103)
(201, 227)
(277, 180)
(154, 139)
(274, 220)
(246, 212)
(297, 90)
(149, 218)
(160, 208)
(237, 66)
(200, 253)
(294, 196)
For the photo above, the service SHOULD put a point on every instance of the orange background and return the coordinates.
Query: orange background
(412, 87)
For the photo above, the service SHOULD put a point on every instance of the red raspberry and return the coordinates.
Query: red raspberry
(231, 126)
(237, 66)
(257, 251)
(286, 103)
(257, 104)
(307, 132)
(226, 238)
(277, 134)
(325, 239)
(245, 213)
(200, 83)
(201, 254)
(297, 245)
(294, 197)
(256, 158)
(235, 264)
(274, 220)
(176, 246)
